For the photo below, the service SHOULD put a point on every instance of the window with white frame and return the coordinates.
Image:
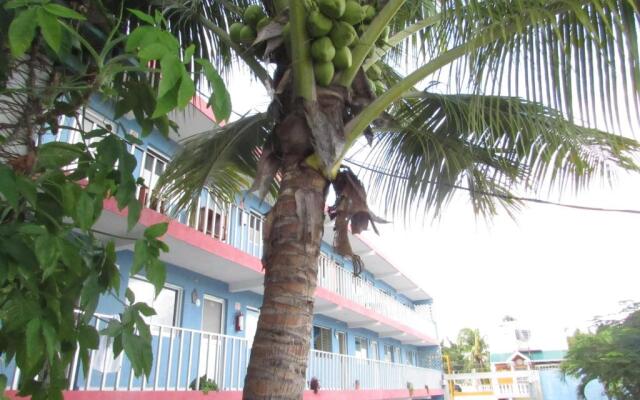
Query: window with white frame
(396, 354)
(362, 347)
(167, 304)
(411, 357)
(322, 339)
(388, 353)
(153, 166)
(375, 351)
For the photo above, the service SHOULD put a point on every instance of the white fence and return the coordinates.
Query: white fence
(341, 372)
(501, 384)
(183, 359)
(339, 280)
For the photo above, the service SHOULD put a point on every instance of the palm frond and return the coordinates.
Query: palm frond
(223, 160)
(436, 144)
(580, 57)
(409, 17)
(186, 18)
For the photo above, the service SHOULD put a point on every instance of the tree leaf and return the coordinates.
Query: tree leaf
(156, 230)
(154, 51)
(156, 274)
(140, 256)
(133, 213)
(139, 352)
(186, 91)
(84, 215)
(51, 29)
(8, 186)
(188, 53)
(220, 99)
(58, 154)
(88, 337)
(130, 296)
(22, 31)
(34, 344)
(171, 70)
(62, 11)
(145, 309)
(166, 103)
(51, 340)
(47, 251)
(142, 16)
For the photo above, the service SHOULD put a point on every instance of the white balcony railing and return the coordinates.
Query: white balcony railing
(241, 228)
(510, 384)
(183, 359)
(342, 372)
(339, 280)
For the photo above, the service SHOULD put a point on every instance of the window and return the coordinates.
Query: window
(322, 339)
(388, 353)
(396, 354)
(411, 357)
(342, 342)
(152, 167)
(211, 218)
(375, 351)
(167, 304)
(362, 348)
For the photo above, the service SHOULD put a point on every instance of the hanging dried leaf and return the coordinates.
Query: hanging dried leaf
(325, 119)
(272, 30)
(350, 206)
(268, 166)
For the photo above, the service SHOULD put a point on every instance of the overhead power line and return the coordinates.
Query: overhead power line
(502, 196)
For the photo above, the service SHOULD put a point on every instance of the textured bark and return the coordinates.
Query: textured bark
(292, 244)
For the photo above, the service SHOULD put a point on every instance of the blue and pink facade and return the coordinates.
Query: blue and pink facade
(373, 335)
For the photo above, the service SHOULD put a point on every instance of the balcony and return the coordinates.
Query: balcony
(241, 228)
(341, 281)
(182, 355)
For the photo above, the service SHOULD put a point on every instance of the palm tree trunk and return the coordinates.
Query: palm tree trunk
(293, 232)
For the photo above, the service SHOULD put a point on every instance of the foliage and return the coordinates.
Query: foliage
(611, 355)
(469, 353)
(54, 265)
(205, 385)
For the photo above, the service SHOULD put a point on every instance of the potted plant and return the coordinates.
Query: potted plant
(206, 385)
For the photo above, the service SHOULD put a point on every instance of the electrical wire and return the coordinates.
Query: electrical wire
(498, 195)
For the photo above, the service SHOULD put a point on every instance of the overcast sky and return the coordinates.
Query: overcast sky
(552, 268)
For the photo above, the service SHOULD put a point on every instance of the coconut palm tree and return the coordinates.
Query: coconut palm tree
(483, 97)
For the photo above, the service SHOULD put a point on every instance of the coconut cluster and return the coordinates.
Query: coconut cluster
(334, 27)
(253, 20)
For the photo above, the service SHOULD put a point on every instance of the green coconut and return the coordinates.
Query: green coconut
(369, 12)
(380, 88)
(262, 23)
(318, 25)
(374, 72)
(324, 72)
(343, 58)
(332, 8)
(343, 34)
(247, 34)
(234, 31)
(353, 12)
(252, 15)
(323, 50)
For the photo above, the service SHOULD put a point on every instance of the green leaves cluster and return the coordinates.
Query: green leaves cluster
(54, 266)
(611, 355)
(51, 260)
(468, 353)
(42, 15)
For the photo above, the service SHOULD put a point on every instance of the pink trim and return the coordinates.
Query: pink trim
(348, 304)
(199, 240)
(191, 236)
(236, 395)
